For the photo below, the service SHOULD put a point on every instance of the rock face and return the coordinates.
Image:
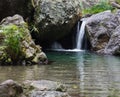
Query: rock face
(10, 88)
(103, 30)
(55, 18)
(18, 46)
(113, 46)
(44, 88)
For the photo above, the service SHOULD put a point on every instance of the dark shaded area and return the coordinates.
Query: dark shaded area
(68, 41)
(11, 7)
(86, 45)
(53, 33)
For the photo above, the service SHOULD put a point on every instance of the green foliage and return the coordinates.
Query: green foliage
(100, 7)
(13, 37)
(118, 1)
(33, 28)
(114, 93)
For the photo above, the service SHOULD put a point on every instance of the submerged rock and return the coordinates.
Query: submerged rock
(40, 88)
(45, 85)
(44, 88)
(18, 43)
(55, 18)
(103, 30)
(48, 94)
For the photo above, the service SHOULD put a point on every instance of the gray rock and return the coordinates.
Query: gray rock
(103, 31)
(16, 19)
(55, 19)
(44, 85)
(113, 46)
(44, 88)
(41, 88)
(97, 30)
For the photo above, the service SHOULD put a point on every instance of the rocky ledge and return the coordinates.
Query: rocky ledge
(41, 88)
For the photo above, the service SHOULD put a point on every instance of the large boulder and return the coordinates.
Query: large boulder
(44, 88)
(55, 18)
(102, 29)
(17, 45)
(113, 46)
(10, 88)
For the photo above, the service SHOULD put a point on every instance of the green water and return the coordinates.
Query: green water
(84, 73)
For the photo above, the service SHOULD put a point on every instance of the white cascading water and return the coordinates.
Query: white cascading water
(79, 39)
(80, 34)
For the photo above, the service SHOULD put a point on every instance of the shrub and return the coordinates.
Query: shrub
(100, 7)
(13, 36)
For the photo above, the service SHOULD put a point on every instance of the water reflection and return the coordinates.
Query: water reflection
(80, 67)
(85, 74)
(98, 75)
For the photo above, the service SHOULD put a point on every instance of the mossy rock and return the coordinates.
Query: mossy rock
(18, 42)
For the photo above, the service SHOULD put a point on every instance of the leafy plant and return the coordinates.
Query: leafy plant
(13, 37)
(100, 7)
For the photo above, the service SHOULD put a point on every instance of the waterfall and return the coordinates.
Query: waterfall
(56, 45)
(80, 34)
(79, 39)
